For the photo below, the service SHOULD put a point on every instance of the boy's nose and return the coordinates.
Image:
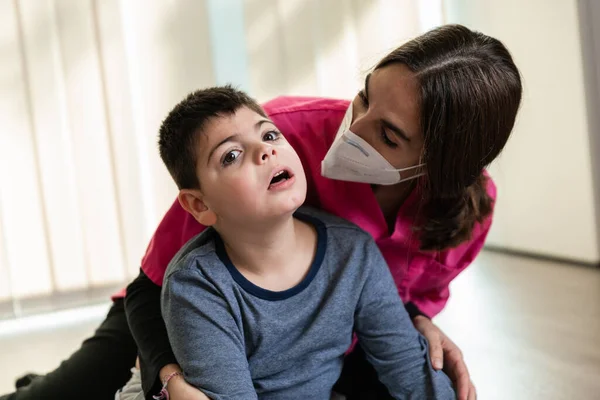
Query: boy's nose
(265, 153)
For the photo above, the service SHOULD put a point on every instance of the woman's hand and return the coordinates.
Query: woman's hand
(447, 356)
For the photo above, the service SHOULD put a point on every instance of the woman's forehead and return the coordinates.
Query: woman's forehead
(394, 91)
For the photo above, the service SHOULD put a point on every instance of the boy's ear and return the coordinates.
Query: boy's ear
(192, 201)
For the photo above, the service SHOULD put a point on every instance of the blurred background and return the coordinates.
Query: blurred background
(84, 85)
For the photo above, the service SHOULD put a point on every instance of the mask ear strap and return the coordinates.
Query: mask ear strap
(409, 168)
(413, 177)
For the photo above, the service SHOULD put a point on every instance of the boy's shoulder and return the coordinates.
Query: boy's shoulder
(349, 249)
(197, 248)
(335, 226)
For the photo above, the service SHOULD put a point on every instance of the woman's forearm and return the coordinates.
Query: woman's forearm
(142, 306)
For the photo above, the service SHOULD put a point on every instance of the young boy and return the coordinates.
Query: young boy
(264, 303)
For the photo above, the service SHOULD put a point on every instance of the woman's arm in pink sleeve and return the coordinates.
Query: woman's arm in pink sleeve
(174, 230)
(432, 299)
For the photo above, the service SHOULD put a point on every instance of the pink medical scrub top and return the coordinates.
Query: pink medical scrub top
(310, 125)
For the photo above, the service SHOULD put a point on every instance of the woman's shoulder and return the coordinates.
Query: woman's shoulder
(490, 186)
(308, 119)
(302, 104)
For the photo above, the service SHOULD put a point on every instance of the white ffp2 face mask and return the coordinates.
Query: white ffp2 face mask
(351, 158)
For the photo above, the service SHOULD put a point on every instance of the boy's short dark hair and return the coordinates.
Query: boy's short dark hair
(180, 130)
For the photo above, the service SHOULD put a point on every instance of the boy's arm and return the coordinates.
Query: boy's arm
(205, 336)
(392, 344)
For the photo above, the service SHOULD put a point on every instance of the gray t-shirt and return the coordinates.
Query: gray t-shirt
(235, 340)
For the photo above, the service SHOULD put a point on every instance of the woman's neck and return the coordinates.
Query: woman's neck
(391, 198)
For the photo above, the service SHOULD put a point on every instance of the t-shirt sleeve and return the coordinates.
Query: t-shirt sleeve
(391, 342)
(205, 336)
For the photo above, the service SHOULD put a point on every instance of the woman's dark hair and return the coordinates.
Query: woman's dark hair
(470, 91)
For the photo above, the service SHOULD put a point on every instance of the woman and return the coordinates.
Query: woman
(432, 115)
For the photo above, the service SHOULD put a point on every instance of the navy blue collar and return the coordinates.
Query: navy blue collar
(285, 294)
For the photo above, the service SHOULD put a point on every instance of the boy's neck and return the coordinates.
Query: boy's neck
(269, 249)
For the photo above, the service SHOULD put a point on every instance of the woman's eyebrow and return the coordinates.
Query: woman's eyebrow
(367, 85)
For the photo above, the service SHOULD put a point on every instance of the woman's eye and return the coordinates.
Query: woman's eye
(231, 157)
(386, 139)
(271, 136)
(363, 98)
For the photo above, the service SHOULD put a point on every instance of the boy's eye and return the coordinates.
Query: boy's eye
(271, 136)
(230, 157)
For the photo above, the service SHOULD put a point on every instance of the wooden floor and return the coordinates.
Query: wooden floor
(529, 330)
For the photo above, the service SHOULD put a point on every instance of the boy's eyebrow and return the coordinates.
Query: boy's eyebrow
(230, 138)
(227, 139)
(263, 121)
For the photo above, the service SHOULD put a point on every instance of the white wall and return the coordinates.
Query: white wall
(546, 199)
(589, 16)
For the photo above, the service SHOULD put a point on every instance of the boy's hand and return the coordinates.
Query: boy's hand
(179, 389)
(445, 354)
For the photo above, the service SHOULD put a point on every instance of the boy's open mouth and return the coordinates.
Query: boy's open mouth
(279, 178)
